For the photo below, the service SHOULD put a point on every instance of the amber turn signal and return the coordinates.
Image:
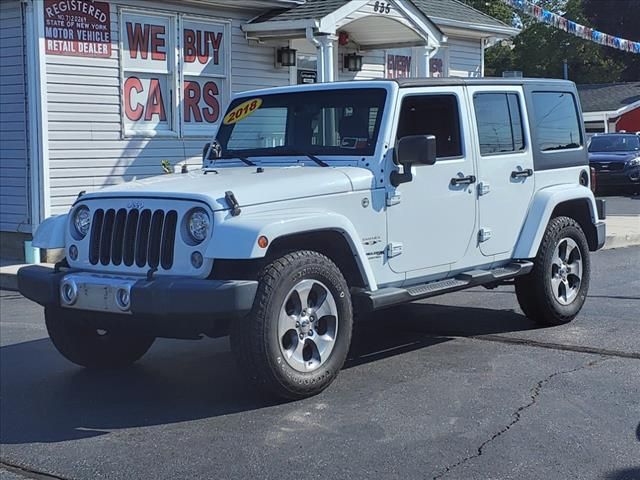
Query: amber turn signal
(263, 241)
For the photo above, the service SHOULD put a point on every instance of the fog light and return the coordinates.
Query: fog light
(123, 299)
(196, 259)
(73, 252)
(68, 292)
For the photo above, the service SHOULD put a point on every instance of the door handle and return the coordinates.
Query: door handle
(521, 173)
(463, 180)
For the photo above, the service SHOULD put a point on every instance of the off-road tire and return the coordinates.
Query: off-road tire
(255, 339)
(534, 291)
(92, 348)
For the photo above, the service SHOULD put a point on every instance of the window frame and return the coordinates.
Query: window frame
(225, 97)
(462, 131)
(172, 50)
(523, 115)
(175, 49)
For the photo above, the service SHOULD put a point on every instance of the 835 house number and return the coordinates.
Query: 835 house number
(382, 7)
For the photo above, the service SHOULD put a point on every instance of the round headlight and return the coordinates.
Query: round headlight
(198, 225)
(82, 221)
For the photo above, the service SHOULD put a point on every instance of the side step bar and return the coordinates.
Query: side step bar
(387, 297)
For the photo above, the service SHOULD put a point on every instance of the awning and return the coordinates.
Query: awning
(369, 25)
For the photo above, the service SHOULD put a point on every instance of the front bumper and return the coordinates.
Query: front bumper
(628, 177)
(162, 306)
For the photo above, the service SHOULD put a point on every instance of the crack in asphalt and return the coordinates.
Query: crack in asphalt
(557, 346)
(515, 416)
(512, 292)
(28, 472)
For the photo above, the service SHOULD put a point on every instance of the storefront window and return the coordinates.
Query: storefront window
(169, 89)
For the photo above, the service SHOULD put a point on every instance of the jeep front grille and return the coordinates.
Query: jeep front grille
(140, 237)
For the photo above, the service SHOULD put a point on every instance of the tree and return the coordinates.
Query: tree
(498, 10)
(540, 50)
(619, 18)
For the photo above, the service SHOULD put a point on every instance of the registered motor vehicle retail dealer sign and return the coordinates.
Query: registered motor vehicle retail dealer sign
(78, 28)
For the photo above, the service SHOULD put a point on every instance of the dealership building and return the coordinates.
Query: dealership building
(94, 93)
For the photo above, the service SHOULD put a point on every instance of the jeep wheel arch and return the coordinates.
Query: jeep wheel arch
(328, 233)
(576, 202)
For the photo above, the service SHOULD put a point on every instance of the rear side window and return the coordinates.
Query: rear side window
(499, 123)
(556, 121)
(437, 115)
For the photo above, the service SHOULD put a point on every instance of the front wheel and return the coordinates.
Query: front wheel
(90, 347)
(296, 339)
(555, 290)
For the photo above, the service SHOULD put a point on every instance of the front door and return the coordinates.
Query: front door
(434, 221)
(505, 166)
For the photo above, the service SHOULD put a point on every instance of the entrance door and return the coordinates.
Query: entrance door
(505, 167)
(435, 219)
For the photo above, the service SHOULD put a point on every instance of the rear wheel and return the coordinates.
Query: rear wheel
(90, 347)
(555, 290)
(296, 339)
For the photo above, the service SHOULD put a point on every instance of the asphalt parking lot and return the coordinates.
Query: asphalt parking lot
(458, 387)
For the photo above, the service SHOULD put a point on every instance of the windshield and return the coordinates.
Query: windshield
(615, 143)
(318, 122)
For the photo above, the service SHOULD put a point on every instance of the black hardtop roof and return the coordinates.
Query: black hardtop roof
(447, 81)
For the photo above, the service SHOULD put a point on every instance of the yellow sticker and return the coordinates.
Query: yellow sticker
(242, 111)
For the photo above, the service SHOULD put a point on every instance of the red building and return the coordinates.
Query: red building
(611, 107)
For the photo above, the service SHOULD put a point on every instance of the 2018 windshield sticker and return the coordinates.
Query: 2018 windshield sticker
(242, 111)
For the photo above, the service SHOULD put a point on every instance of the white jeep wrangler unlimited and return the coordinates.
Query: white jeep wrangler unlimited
(318, 201)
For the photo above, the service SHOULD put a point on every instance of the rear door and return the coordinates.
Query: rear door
(505, 165)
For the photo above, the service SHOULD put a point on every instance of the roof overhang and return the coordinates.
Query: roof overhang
(246, 4)
(606, 114)
(455, 27)
(367, 29)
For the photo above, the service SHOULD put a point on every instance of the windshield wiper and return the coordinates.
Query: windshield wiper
(245, 160)
(315, 159)
(308, 155)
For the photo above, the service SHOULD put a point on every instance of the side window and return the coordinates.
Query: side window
(499, 123)
(437, 115)
(556, 121)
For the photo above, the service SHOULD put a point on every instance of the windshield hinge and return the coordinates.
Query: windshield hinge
(232, 202)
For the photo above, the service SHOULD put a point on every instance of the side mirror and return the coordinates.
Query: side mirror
(413, 149)
(211, 151)
(419, 149)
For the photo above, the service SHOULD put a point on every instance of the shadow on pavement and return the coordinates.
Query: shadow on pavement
(47, 399)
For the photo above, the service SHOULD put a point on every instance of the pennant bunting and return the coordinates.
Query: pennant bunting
(558, 21)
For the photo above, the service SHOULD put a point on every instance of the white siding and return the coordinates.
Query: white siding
(86, 149)
(373, 67)
(465, 57)
(14, 166)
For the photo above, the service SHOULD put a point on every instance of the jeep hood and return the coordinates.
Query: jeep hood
(249, 185)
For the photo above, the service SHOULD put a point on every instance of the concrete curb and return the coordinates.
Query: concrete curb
(8, 279)
(622, 241)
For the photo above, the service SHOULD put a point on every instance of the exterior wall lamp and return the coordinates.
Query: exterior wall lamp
(353, 62)
(286, 56)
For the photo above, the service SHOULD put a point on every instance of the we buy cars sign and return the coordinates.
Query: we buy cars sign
(79, 28)
(149, 74)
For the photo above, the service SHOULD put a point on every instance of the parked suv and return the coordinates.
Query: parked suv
(319, 202)
(615, 157)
